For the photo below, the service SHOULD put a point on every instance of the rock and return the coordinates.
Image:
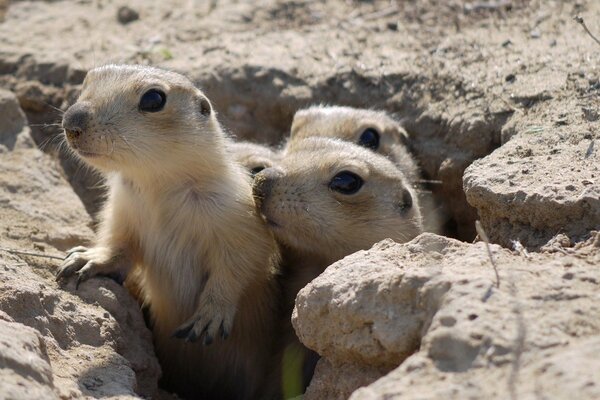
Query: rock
(12, 119)
(69, 343)
(433, 308)
(26, 371)
(544, 180)
(126, 15)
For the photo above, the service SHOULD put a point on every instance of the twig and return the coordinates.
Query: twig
(485, 239)
(28, 253)
(580, 21)
(432, 181)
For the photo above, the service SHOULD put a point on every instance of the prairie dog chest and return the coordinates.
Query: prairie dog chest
(170, 241)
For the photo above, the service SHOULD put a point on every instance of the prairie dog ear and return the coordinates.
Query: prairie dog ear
(403, 136)
(204, 105)
(300, 119)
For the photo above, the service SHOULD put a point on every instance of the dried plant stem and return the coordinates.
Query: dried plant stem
(485, 239)
(580, 21)
(29, 253)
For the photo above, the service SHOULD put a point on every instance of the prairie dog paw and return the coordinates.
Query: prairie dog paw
(88, 262)
(210, 320)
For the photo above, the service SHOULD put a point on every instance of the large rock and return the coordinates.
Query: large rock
(433, 307)
(58, 342)
(544, 180)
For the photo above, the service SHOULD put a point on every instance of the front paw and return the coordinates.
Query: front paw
(86, 263)
(210, 319)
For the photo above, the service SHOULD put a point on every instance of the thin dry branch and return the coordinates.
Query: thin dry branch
(580, 21)
(29, 253)
(485, 239)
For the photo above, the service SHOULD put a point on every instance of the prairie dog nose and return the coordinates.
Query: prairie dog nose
(263, 183)
(76, 119)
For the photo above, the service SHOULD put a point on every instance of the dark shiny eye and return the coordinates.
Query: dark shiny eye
(346, 182)
(407, 201)
(256, 170)
(369, 139)
(153, 100)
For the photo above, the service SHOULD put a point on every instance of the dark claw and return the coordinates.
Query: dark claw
(192, 337)
(207, 340)
(184, 331)
(79, 280)
(223, 332)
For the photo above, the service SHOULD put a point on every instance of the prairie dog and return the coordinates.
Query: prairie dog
(254, 157)
(183, 214)
(374, 130)
(327, 199)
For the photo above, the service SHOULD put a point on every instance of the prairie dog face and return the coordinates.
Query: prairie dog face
(331, 198)
(374, 130)
(254, 157)
(139, 118)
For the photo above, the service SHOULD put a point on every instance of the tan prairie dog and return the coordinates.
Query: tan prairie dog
(182, 213)
(253, 156)
(329, 198)
(371, 129)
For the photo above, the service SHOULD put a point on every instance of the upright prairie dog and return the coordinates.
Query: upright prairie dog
(375, 130)
(326, 199)
(182, 214)
(254, 157)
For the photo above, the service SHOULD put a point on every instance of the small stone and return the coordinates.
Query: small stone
(126, 15)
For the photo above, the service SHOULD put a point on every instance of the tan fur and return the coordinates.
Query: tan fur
(254, 157)
(183, 214)
(318, 226)
(348, 124)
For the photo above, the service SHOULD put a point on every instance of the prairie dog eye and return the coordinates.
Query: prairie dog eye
(369, 139)
(346, 182)
(407, 201)
(153, 101)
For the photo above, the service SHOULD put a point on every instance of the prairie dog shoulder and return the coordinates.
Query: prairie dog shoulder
(181, 212)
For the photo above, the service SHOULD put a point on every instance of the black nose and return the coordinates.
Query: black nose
(76, 119)
(263, 184)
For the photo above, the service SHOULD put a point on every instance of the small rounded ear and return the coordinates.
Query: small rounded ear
(204, 105)
(403, 136)
(299, 120)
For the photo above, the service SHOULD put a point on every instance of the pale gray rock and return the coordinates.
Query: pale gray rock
(462, 336)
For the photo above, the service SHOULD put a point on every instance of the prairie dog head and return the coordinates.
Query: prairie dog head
(374, 130)
(141, 120)
(331, 198)
(371, 129)
(254, 157)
